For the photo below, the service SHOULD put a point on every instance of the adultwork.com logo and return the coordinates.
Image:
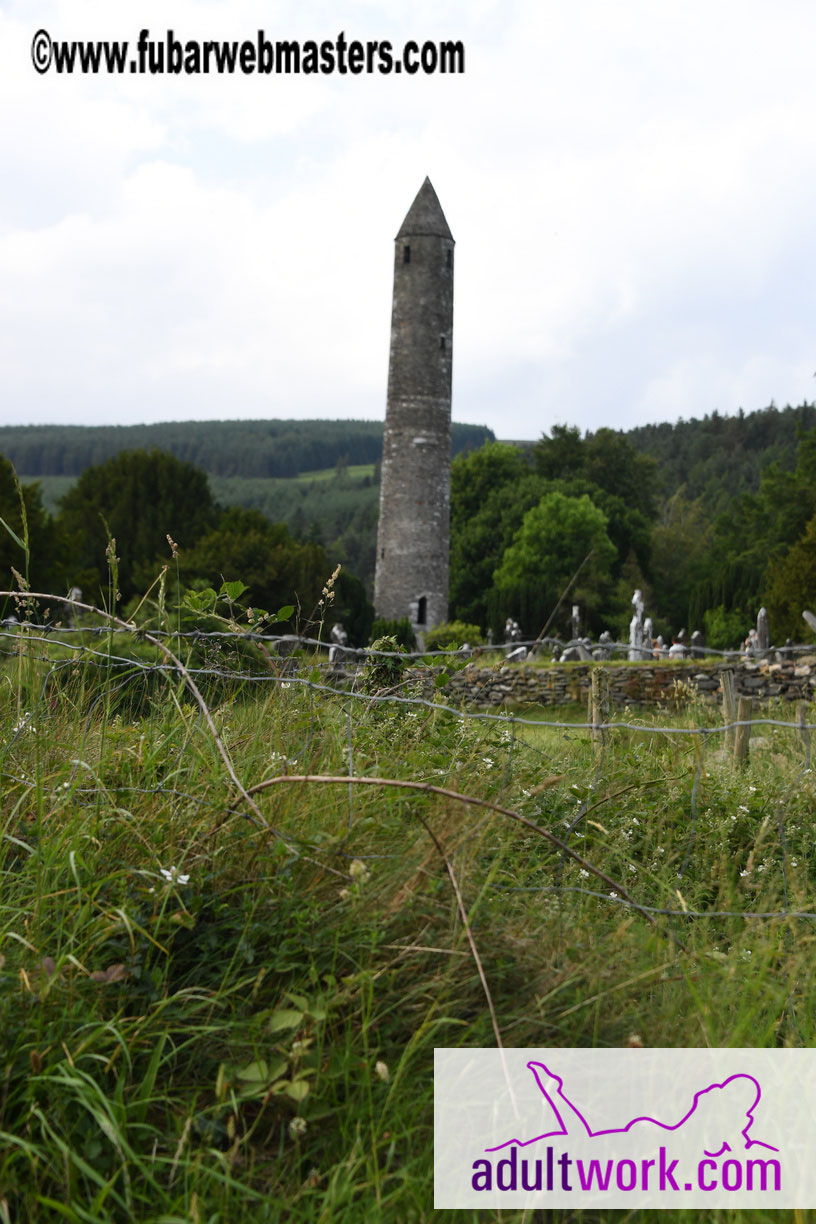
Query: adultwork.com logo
(623, 1128)
(719, 1121)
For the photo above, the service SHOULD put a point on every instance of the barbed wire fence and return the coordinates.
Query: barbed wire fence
(535, 647)
(288, 660)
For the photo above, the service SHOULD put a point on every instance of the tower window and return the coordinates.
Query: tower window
(422, 610)
(450, 258)
(442, 343)
(406, 254)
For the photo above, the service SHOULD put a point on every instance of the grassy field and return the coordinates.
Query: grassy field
(220, 998)
(353, 471)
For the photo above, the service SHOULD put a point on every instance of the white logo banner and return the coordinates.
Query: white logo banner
(627, 1128)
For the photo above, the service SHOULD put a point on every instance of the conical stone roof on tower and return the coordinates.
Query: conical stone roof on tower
(425, 216)
(414, 527)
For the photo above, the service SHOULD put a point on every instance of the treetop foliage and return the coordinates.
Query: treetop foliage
(138, 498)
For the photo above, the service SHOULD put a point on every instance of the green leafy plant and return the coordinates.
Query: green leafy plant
(451, 635)
(384, 670)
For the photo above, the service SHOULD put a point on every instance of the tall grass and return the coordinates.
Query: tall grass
(218, 1009)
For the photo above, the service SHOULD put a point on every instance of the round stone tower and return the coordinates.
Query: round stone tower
(413, 537)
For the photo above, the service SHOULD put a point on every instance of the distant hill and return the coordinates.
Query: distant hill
(720, 457)
(220, 448)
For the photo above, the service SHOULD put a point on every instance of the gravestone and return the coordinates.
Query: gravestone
(604, 648)
(339, 639)
(636, 627)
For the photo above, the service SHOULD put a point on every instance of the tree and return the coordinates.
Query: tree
(617, 467)
(750, 542)
(41, 567)
(143, 497)
(607, 459)
(555, 538)
(562, 454)
(479, 473)
(679, 539)
(491, 489)
(790, 586)
(277, 569)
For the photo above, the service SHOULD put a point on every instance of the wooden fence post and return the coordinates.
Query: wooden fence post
(599, 705)
(745, 709)
(729, 709)
(801, 718)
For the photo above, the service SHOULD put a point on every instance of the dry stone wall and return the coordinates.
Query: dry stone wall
(630, 684)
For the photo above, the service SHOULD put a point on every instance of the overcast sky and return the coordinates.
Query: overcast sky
(631, 187)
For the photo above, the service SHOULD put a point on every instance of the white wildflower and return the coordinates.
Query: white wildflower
(381, 1070)
(297, 1127)
(173, 875)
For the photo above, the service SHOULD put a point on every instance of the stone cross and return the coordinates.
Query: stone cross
(636, 627)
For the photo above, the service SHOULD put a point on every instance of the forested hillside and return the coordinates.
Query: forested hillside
(718, 458)
(220, 448)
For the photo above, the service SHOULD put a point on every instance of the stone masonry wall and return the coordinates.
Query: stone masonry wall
(632, 684)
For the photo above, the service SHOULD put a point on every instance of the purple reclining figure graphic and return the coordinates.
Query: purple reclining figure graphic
(715, 1115)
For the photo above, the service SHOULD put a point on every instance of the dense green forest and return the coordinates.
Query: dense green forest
(710, 518)
(220, 448)
(719, 457)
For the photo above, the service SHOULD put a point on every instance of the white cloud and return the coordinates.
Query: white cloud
(630, 188)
